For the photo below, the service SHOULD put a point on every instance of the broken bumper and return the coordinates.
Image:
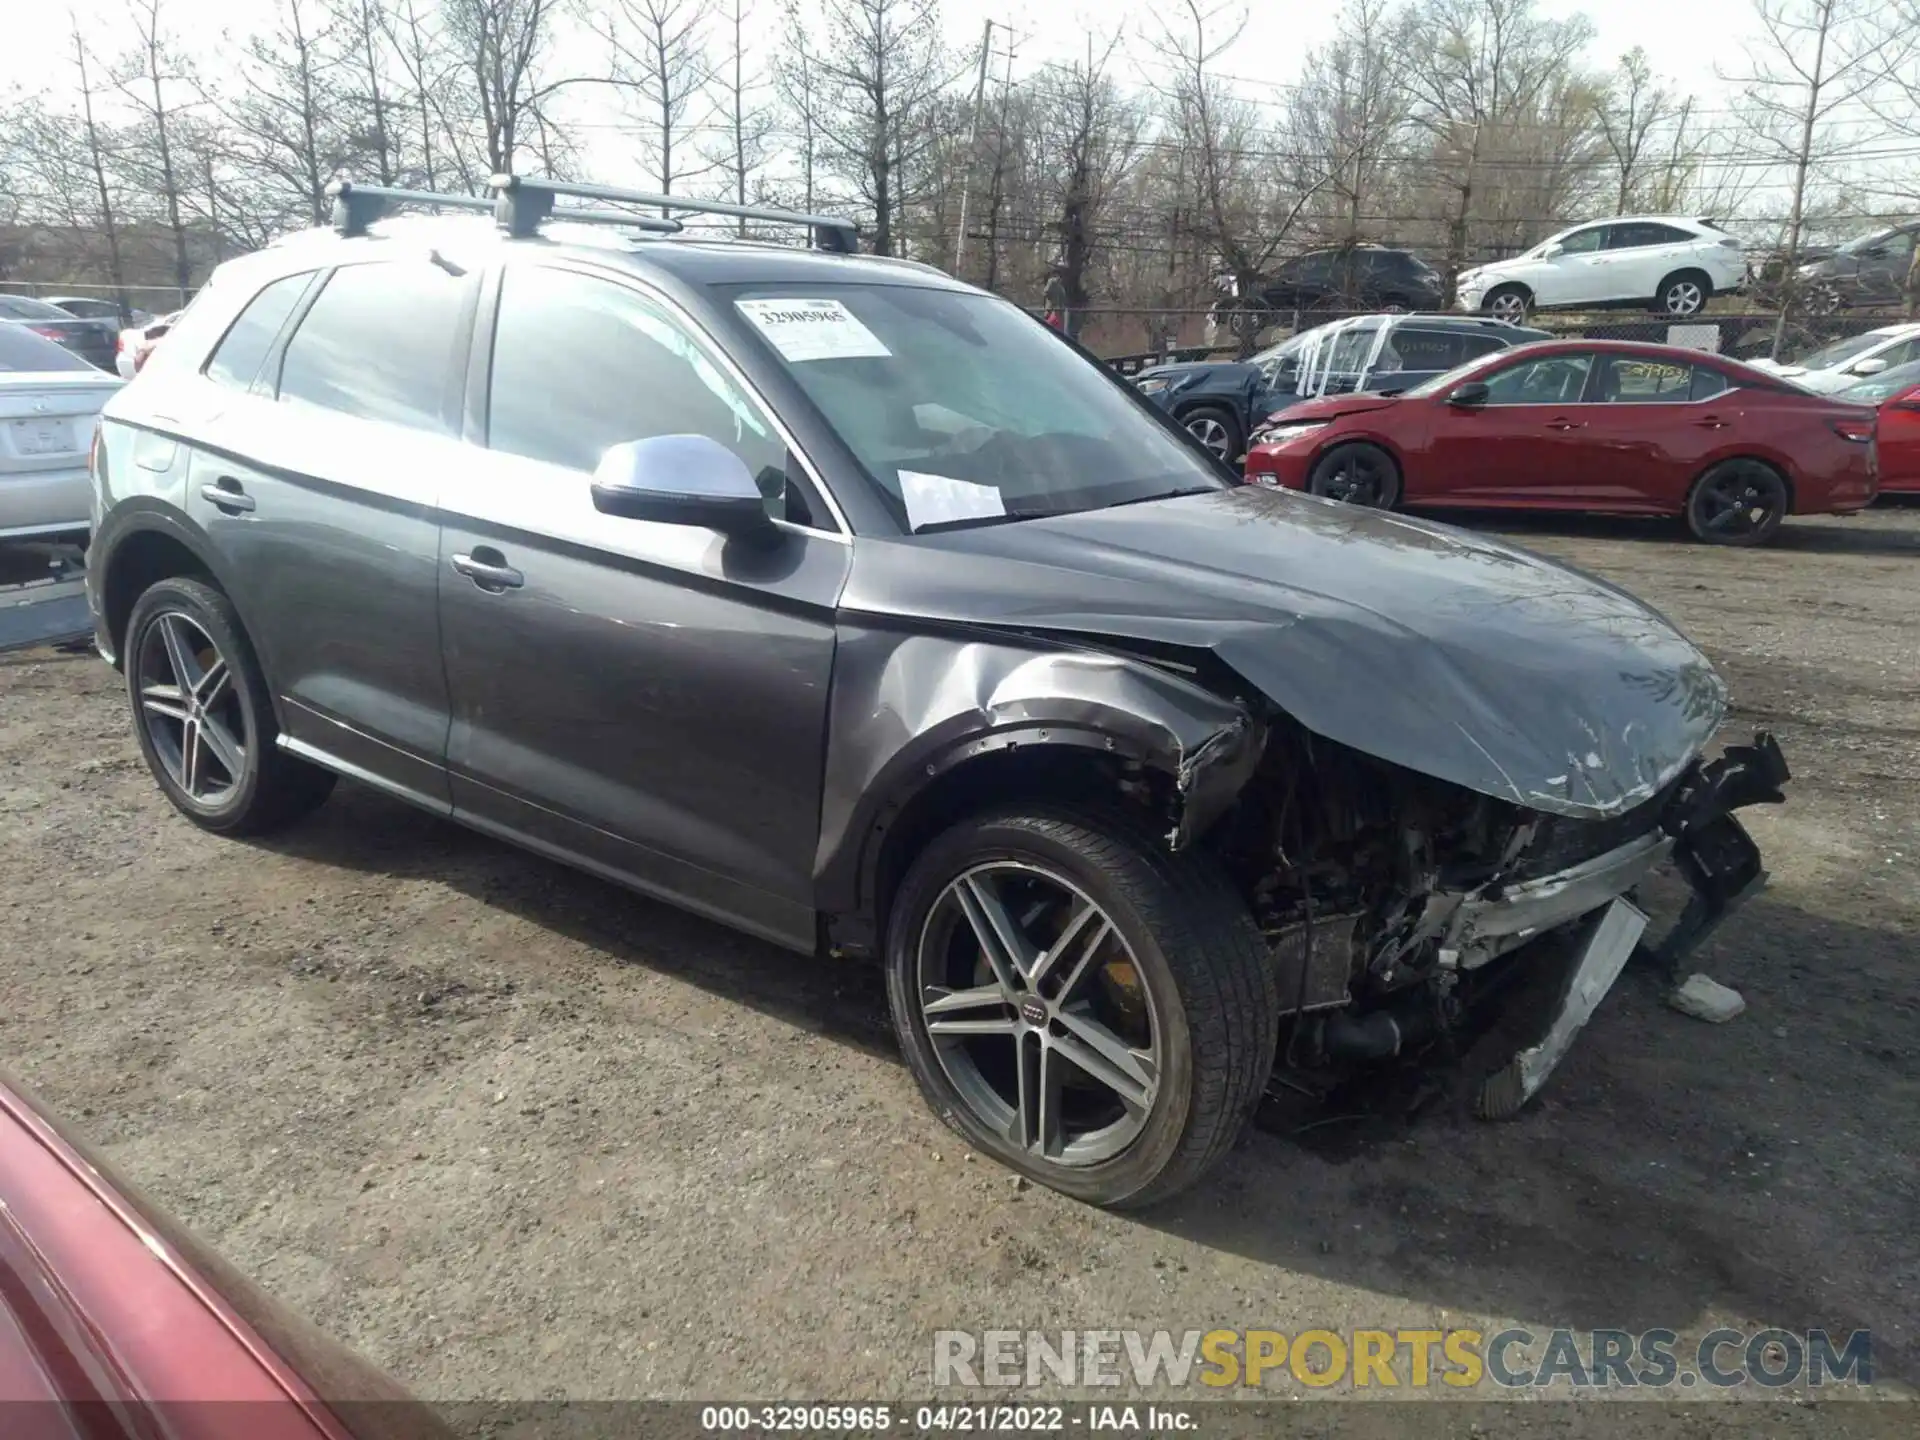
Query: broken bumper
(1709, 848)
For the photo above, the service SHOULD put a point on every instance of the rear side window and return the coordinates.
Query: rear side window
(21, 349)
(1630, 380)
(1427, 349)
(379, 343)
(1472, 347)
(236, 359)
(1645, 232)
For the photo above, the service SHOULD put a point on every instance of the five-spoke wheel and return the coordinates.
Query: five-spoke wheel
(1737, 502)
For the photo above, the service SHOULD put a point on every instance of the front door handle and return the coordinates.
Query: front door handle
(1712, 422)
(1565, 424)
(488, 569)
(227, 495)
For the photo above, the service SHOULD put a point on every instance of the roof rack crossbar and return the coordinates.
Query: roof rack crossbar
(355, 207)
(655, 223)
(525, 201)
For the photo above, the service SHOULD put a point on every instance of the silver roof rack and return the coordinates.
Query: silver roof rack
(355, 207)
(524, 201)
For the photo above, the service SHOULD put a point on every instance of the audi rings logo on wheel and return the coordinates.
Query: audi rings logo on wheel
(1033, 1010)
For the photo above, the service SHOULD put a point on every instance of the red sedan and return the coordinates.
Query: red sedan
(1586, 425)
(107, 1306)
(1895, 394)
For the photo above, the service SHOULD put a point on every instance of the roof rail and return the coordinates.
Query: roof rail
(524, 201)
(355, 207)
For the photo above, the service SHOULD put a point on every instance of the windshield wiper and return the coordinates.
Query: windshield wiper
(970, 522)
(1173, 494)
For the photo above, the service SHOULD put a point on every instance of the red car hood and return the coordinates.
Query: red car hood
(1331, 407)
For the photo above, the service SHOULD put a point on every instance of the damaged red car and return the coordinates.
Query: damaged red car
(847, 604)
(1895, 396)
(1585, 425)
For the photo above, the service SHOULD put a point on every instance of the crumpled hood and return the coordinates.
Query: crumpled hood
(1449, 653)
(1182, 370)
(1331, 407)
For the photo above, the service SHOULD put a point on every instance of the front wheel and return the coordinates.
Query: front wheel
(1359, 474)
(1737, 502)
(1080, 1004)
(1218, 430)
(1509, 303)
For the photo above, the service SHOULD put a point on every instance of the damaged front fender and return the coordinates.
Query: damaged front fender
(909, 709)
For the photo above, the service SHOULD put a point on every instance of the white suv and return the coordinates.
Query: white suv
(1668, 262)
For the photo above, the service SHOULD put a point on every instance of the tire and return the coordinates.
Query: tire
(1715, 513)
(1358, 473)
(1175, 944)
(1396, 305)
(1683, 295)
(1508, 302)
(1218, 429)
(226, 706)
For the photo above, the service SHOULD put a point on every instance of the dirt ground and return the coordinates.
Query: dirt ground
(517, 1134)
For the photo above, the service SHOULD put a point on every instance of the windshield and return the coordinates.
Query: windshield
(1876, 388)
(964, 411)
(1454, 376)
(1867, 242)
(1841, 351)
(21, 349)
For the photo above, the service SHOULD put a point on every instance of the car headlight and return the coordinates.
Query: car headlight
(1156, 385)
(1281, 433)
(1808, 271)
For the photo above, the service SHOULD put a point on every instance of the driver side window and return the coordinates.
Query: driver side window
(1583, 241)
(1550, 380)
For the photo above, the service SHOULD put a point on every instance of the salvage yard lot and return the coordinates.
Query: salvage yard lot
(515, 1133)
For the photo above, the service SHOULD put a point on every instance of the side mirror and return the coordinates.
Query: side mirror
(1552, 250)
(680, 480)
(1872, 365)
(1471, 394)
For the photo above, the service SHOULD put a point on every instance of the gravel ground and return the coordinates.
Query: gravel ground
(516, 1134)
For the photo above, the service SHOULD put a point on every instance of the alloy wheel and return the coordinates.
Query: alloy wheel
(1510, 307)
(1212, 434)
(1355, 477)
(1038, 1013)
(1684, 297)
(191, 709)
(1738, 501)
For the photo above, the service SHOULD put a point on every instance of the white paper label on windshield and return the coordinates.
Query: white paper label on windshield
(936, 499)
(812, 329)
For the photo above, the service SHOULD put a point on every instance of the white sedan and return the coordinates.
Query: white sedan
(1664, 262)
(50, 403)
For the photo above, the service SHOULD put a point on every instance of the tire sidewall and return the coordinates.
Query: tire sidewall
(1664, 306)
(1008, 838)
(1487, 305)
(205, 607)
(1237, 442)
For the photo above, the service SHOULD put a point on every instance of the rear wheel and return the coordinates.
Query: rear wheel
(1684, 294)
(1360, 474)
(1737, 502)
(1218, 429)
(203, 716)
(1080, 1004)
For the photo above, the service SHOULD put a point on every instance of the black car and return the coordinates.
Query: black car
(1222, 402)
(1356, 277)
(850, 606)
(92, 307)
(1870, 270)
(94, 341)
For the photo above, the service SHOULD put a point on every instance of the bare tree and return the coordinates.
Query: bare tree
(745, 124)
(1090, 133)
(798, 86)
(1632, 111)
(97, 163)
(369, 86)
(1813, 57)
(879, 66)
(502, 48)
(146, 77)
(285, 128)
(658, 62)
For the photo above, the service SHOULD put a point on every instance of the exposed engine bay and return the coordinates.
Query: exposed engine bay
(1407, 915)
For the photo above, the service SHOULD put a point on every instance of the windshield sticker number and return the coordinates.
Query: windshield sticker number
(939, 499)
(813, 329)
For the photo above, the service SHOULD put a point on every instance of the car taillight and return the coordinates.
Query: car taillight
(1857, 431)
(46, 330)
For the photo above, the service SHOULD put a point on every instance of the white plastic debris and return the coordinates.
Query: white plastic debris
(1706, 999)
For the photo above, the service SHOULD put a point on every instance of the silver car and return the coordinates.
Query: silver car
(50, 403)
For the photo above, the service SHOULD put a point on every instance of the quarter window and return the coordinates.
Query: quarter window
(236, 359)
(379, 343)
(581, 364)
(1550, 380)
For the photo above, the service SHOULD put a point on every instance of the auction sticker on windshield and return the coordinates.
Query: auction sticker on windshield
(941, 500)
(812, 329)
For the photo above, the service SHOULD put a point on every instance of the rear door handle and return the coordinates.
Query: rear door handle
(227, 495)
(488, 569)
(1712, 422)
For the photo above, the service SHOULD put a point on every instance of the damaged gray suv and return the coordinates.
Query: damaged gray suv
(850, 606)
